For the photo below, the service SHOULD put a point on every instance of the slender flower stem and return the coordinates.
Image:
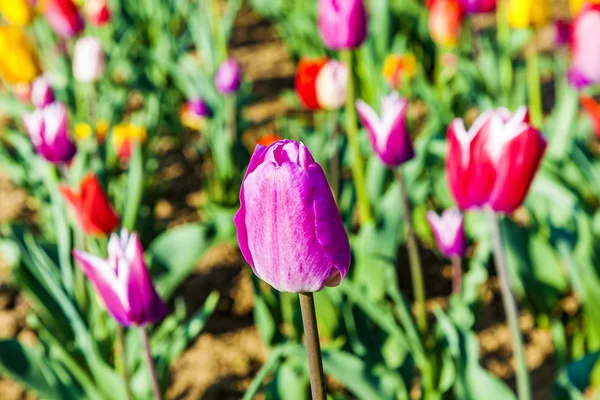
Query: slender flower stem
(534, 85)
(151, 366)
(122, 360)
(503, 36)
(511, 311)
(232, 117)
(358, 171)
(311, 336)
(334, 162)
(413, 257)
(456, 274)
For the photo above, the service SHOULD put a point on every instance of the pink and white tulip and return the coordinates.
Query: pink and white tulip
(97, 12)
(88, 60)
(288, 225)
(332, 84)
(42, 94)
(585, 46)
(449, 232)
(48, 129)
(342, 23)
(123, 281)
(63, 17)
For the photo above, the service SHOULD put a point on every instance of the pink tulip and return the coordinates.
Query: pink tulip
(449, 232)
(63, 17)
(493, 163)
(41, 92)
(342, 23)
(228, 77)
(48, 129)
(88, 59)
(478, 6)
(97, 12)
(331, 85)
(585, 67)
(388, 133)
(288, 225)
(123, 281)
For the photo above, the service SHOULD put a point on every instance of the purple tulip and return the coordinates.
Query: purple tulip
(288, 225)
(41, 92)
(123, 281)
(342, 23)
(49, 133)
(585, 67)
(449, 232)
(88, 59)
(478, 6)
(228, 77)
(388, 133)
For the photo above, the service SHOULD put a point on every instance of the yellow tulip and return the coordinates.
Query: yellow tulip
(529, 13)
(18, 63)
(18, 12)
(125, 136)
(575, 5)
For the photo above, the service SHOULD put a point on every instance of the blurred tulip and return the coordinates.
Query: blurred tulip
(449, 232)
(194, 113)
(562, 32)
(593, 110)
(88, 59)
(125, 137)
(42, 94)
(585, 47)
(48, 129)
(17, 12)
(63, 17)
(83, 131)
(97, 12)
(228, 77)
(123, 281)
(493, 163)
(445, 18)
(529, 13)
(331, 85)
(477, 6)
(268, 139)
(388, 133)
(342, 23)
(18, 63)
(288, 225)
(306, 81)
(576, 5)
(22, 92)
(91, 207)
(396, 67)
(102, 127)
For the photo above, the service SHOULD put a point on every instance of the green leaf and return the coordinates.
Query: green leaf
(354, 373)
(575, 378)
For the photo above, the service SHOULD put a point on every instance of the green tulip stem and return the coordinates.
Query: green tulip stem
(122, 361)
(232, 117)
(511, 311)
(456, 274)
(503, 37)
(311, 336)
(416, 271)
(358, 171)
(534, 85)
(334, 162)
(151, 366)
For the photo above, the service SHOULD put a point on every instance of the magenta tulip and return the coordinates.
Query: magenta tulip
(585, 46)
(63, 17)
(493, 163)
(342, 23)
(288, 225)
(388, 133)
(449, 232)
(478, 6)
(48, 129)
(41, 92)
(123, 281)
(228, 77)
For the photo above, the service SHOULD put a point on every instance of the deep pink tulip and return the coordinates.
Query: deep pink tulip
(228, 77)
(342, 23)
(388, 133)
(123, 281)
(585, 46)
(63, 17)
(288, 225)
(493, 163)
(48, 129)
(478, 6)
(449, 232)
(42, 94)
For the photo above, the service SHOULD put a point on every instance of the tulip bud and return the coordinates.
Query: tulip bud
(88, 59)
(388, 133)
(17, 12)
(593, 110)
(576, 5)
(331, 85)
(41, 92)
(449, 232)
(18, 63)
(445, 18)
(63, 17)
(228, 77)
(97, 12)
(398, 67)
(125, 137)
(194, 113)
(91, 207)
(49, 132)
(529, 13)
(477, 6)
(493, 163)
(342, 23)
(123, 282)
(306, 81)
(585, 65)
(288, 225)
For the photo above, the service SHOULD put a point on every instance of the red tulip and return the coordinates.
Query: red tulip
(63, 17)
(91, 207)
(306, 80)
(593, 110)
(97, 12)
(445, 18)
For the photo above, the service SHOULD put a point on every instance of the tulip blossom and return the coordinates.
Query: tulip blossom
(576, 5)
(593, 110)
(562, 32)
(388, 133)
(585, 47)
(445, 18)
(42, 94)
(449, 232)
(17, 12)
(306, 81)
(18, 63)
(477, 6)
(97, 12)
(331, 85)
(125, 137)
(228, 77)
(493, 163)
(63, 17)
(88, 60)
(123, 282)
(342, 23)
(91, 207)
(288, 225)
(398, 67)
(194, 113)
(48, 129)
(529, 13)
